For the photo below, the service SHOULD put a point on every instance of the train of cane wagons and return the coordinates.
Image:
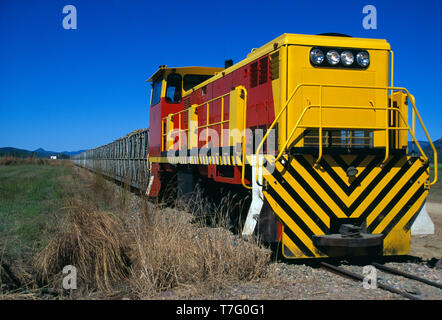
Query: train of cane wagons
(308, 128)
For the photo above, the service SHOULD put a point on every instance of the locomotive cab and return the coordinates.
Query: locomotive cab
(168, 87)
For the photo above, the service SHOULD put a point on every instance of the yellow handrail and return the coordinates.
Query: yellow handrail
(172, 115)
(320, 127)
(386, 128)
(221, 123)
(243, 142)
(426, 133)
(279, 115)
(335, 127)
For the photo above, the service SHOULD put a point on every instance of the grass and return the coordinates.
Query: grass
(92, 241)
(29, 198)
(435, 194)
(172, 252)
(120, 243)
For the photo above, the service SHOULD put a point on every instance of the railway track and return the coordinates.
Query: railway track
(357, 277)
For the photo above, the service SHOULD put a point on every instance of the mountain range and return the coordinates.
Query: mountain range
(427, 149)
(40, 153)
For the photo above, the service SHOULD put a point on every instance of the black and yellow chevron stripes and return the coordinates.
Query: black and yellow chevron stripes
(307, 199)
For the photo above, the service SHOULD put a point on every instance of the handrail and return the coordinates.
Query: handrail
(171, 115)
(386, 128)
(206, 103)
(243, 142)
(412, 100)
(279, 115)
(338, 127)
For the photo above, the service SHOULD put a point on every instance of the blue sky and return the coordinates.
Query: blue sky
(78, 89)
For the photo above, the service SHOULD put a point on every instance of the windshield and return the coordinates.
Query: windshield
(173, 89)
(156, 92)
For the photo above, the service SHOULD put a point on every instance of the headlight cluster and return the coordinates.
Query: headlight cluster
(334, 57)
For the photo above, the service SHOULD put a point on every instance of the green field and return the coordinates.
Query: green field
(435, 194)
(31, 196)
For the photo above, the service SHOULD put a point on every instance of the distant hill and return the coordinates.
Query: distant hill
(428, 150)
(423, 144)
(39, 153)
(14, 152)
(73, 153)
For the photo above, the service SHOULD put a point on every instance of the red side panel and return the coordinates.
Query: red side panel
(157, 113)
(256, 78)
(155, 131)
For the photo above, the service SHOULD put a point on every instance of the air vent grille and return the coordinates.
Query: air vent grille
(274, 66)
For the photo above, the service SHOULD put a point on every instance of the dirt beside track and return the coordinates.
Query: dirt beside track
(429, 246)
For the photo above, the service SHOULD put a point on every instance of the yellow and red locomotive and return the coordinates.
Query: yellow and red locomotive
(312, 128)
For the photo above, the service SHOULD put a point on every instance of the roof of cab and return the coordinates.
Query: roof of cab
(194, 69)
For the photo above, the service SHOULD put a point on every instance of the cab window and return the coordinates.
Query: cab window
(156, 92)
(192, 80)
(173, 89)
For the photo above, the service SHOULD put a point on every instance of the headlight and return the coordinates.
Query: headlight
(316, 56)
(333, 57)
(363, 58)
(347, 58)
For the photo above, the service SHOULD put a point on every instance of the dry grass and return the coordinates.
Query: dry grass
(170, 251)
(93, 242)
(139, 249)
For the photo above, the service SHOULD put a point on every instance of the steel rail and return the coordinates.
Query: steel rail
(353, 275)
(407, 275)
